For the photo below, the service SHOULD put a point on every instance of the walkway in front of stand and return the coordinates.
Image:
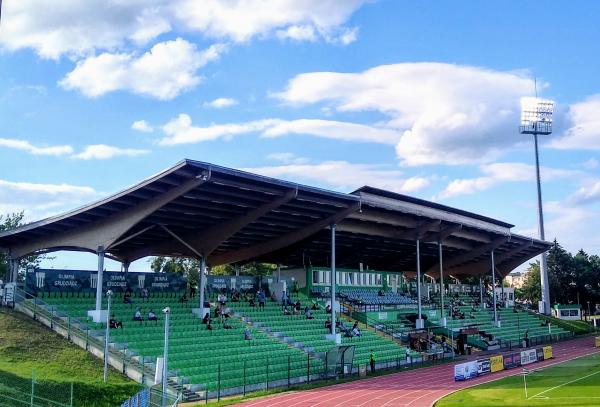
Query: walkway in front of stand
(415, 388)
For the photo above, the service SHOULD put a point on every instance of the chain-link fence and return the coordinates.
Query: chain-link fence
(152, 397)
(17, 391)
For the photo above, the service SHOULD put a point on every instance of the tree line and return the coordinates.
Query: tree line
(574, 279)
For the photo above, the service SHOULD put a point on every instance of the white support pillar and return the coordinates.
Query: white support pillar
(443, 315)
(98, 315)
(494, 289)
(419, 323)
(126, 266)
(99, 279)
(13, 270)
(481, 304)
(201, 310)
(333, 335)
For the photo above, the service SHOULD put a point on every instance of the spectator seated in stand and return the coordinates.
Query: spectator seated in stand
(152, 316)
(144, 294)
(381, 293)
(308, 313)
(227, 324)
(297, 307)
(183, 298)
(328, 324)
(113, 323)
(328, 309)
(127, 298)
(138, 315)
(247, 335)
(261, 299)
(222, 299)
(315, 306)
(356, 330)
(206, 318)
(286, 311)
(209, 325)
(235, 296)
(251, 302)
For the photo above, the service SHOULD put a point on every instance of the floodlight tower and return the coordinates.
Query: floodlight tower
(536, 119)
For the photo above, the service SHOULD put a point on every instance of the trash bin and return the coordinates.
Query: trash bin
(362, 370)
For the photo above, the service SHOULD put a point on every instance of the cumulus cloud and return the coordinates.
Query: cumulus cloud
(241, 20)
(142, 126)
(446, 114)
(164, 72)
(584, 130)
(498, 173)
(79, 28)
(221, 103)
(41, 200)
(103, 152)
(345, 176)
(181, 131)
(26, 146)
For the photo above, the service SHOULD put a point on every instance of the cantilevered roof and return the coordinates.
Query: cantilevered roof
(199, 209)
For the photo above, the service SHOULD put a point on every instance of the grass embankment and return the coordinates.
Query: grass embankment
(26, 347)
(572, 383)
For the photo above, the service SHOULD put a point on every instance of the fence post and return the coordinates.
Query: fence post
(69, 328)
(244, 377)
(32, 388)
(308, 368)
(71, 404)
(267, 373)
(289, 367)
(219, 384)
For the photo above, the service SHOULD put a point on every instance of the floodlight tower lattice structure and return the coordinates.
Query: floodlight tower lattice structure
(536, 119)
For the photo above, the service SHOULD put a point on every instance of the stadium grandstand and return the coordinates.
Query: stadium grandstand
(363, 273)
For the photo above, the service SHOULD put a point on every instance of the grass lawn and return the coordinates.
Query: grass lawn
(26, 347)
(573, 383)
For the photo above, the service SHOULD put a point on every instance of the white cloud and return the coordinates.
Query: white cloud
(221, 103)
(298, 33)
(335, 130)
(585, 194)
(24, 145)
(497, 173)
(345, 176)
(446, 114)
(164, 72)
(103, 152)
(142, 126)
(241, 20)
(181, 131)
(584, 133)
(79, 28)
(41, 200)
(590, 164)
(287, 158)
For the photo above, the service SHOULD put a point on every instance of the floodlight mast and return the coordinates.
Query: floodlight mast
(536, 118)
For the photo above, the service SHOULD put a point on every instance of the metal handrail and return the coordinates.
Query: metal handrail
(37, 308)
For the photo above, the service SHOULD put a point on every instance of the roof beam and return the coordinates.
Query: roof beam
(210, 238)
(106, 231)
(465, 257)
(281, 241)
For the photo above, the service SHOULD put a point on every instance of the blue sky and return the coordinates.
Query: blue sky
(420, 97)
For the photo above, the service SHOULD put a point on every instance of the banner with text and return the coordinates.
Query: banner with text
(79, 281)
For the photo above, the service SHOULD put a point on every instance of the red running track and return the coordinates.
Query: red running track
(415, 388)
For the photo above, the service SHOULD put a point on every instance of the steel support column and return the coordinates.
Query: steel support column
(201, 284)
(99, 279)
(419, 321)
(494, 288)
(333, 278)
(442, 315)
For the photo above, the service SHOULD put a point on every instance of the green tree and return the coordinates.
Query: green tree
(8, 222)
(187, 267)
